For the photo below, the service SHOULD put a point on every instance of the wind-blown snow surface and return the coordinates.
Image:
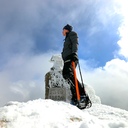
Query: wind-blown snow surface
(52, 114)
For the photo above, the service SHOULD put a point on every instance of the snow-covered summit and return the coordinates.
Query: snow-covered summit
(57, 114)
(47, 113)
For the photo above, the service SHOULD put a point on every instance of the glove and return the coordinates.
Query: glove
(74, 57)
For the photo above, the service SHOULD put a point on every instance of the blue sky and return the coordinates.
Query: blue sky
(97, 28)
(31, 32)
(95, 37)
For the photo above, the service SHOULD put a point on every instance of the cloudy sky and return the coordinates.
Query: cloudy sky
(31, 32)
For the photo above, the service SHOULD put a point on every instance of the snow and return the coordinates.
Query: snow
(42, 113)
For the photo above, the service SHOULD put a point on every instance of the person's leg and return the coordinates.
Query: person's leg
(68, 76)
(81, 89)
(84, 98)
(66, 72)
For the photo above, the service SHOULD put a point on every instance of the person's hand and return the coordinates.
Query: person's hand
(74, 57)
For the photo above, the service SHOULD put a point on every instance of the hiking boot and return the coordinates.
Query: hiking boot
(82, 99)
(84, 102)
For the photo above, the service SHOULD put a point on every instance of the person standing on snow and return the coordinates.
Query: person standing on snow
(69, 54)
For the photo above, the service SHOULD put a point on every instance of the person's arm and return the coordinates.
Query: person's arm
(74, 41)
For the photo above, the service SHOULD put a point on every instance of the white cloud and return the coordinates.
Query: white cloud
(110, 82)
(123, 29)
(123, 43)
(22, 78)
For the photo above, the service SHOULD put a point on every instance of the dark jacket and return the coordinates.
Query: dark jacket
(70, 45)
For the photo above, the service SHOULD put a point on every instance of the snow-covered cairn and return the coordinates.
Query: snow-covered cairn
(57, 88)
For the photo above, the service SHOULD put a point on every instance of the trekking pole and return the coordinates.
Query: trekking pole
(76, 83)
(89, 104)
(80, 74)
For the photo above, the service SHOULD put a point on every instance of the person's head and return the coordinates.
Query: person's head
(66, 29)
